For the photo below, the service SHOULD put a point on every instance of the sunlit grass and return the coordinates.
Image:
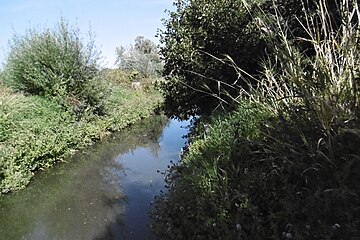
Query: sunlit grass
(35, 132)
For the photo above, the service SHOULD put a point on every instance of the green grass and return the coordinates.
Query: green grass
(286, 168)
(255, 175)
(198, 205)
(35, 132)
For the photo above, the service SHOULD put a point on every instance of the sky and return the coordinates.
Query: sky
(114, 22)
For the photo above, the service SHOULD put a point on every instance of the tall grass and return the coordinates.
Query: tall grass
(325, 81)
(297, 178)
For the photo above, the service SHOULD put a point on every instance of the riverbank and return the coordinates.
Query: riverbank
(282, 159)
(103, 191)
(35, 132)
(251, 174)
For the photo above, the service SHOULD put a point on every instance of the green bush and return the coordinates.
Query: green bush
(58, 65)
(201, 37)
(197, 36)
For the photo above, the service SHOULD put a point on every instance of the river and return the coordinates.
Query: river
(102, 192)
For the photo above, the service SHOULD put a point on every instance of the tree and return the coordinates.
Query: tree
(143, 57)
(197, 37)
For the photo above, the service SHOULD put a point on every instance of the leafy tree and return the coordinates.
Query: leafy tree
(197, 36)
(55, 63)
(143, 57)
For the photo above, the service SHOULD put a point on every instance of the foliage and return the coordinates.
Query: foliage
(142, 58)
(125, 78)
(325, 82)
(200, 37)
(297, 177)
(200, 195)
(55, 63)
(119, 77)
(197, 35)
(278, 183)
(35, 132)
(294, 14)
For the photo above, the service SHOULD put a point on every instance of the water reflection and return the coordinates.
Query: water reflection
(101, 193)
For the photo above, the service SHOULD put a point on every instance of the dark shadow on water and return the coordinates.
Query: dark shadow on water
(103, 192)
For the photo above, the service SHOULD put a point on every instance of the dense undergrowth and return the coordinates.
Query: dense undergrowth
(257, 176)
(285, 164)
(36, 132)
(54, 100)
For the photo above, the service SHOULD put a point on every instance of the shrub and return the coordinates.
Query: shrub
(36, 132)
(120, 77)
(58, 65)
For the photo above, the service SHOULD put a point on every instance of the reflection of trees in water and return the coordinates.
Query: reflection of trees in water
(154, 148)
(148, 134)
(83, 198)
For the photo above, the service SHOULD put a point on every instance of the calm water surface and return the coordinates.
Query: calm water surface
(103, 192)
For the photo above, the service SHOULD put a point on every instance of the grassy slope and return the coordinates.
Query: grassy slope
(256, 176)
(198, 205)
(35, 132)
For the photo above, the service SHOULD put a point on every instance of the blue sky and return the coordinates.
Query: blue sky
(115, 22)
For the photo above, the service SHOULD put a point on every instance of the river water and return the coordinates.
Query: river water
(102, 192)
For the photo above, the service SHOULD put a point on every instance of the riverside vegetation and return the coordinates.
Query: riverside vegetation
(54, 100)
(276, 152)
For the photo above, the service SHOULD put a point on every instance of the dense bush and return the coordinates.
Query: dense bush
(51, 72)
(203, 40)
(55, 63)
(119, 77)
(197, 35)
